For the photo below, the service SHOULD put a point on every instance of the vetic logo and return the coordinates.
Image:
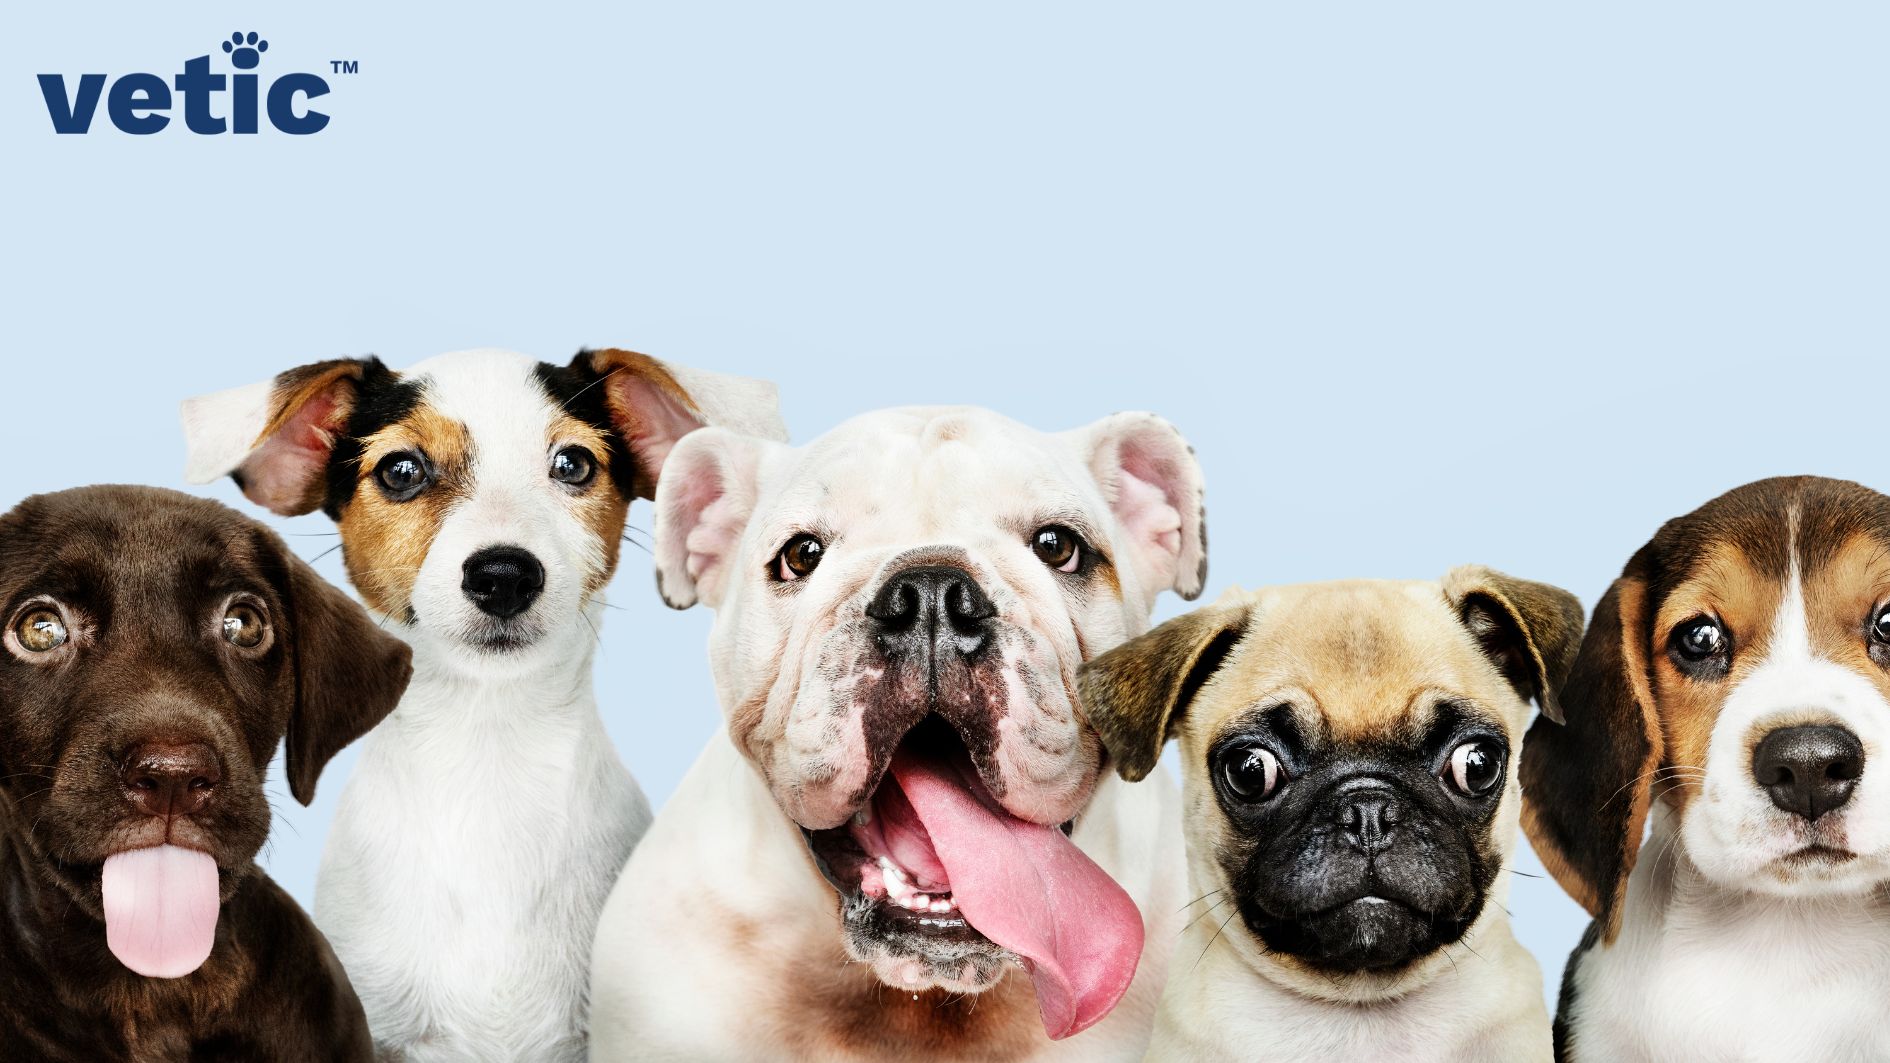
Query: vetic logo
(139, 103)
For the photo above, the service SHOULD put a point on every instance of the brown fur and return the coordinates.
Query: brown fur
(637, 388)
(310, 405)
(144, 574)
(602, 511)
(856, 1016)
(385, 542)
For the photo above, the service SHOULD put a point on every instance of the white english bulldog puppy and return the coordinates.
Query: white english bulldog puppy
(903, 844)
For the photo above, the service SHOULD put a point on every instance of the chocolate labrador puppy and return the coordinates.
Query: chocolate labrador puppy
(157, 647)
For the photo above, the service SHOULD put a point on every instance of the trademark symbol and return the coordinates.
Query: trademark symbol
(344, 66)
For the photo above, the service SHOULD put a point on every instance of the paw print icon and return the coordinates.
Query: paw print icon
(245, 50)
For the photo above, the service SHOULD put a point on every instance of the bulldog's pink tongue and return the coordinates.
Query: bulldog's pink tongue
(1028, 888)
(161, 909)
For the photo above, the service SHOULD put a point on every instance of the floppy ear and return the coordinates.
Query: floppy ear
(1531, 630)
(1587, 782)
(349, 674)
(703, 503)
(1136, 694)
(274, 438)
(654, 404)
(1149, 476)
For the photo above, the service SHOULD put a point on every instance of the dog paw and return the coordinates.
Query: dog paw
(245, 50)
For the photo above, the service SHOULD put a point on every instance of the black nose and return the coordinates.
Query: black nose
(1368, 817)
(170, 779)
(502, 581)
(932, 609)
(1809, 770)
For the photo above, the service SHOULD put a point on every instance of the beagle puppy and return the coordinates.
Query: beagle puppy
(1731, 703)
(1347, 757)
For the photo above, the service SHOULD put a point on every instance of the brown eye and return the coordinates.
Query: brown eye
(574, 466)
(1058, 547)
(41, 630)
(403, 475)
(798, 558)
(243, 626)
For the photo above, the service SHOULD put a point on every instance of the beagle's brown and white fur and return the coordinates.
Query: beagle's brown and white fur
(1733, 695)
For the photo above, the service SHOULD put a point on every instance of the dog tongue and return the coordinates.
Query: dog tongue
(1028, 888)
(161, 909)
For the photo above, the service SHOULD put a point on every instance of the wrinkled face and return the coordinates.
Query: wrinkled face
(147, 679)
(1349, 783)
(481, 499)
(922, 585)
(1768, 651)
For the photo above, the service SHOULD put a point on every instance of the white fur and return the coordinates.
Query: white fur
(1725, 954)
(672, 984)
(489, 815)
(1224, 1005)
(700, 938)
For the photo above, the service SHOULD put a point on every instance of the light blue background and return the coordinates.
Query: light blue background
(1424, 283)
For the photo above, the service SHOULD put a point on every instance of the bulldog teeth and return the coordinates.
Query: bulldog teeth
(864, 817)
(901, 890)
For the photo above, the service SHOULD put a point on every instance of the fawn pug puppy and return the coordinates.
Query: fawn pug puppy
(1351, 805)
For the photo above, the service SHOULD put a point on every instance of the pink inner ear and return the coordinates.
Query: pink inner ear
(698, 527)
(1144, 508)
(280, 473)
(656, 418)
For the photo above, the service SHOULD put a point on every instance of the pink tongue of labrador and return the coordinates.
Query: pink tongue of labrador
(161, 909)
(1028, 888)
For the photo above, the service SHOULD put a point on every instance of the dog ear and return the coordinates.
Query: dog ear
(274, 438)
(653, 405)
(703, 503)
(1531, 630)
(1136, 694)
(1587, 782)
(1152, 482)
(349, 674)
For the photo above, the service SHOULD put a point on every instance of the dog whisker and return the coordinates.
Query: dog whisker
(1212, 940)
(1198, 900)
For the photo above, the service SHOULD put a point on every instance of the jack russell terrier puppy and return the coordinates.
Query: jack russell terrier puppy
(481, 498)
(1734, 691)
(1347, 753)
(902, 846)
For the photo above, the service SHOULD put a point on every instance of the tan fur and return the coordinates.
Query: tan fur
(833, 1008)
(1843, 594)
(320, 395)
(1725, 586)
(384, 542)
(626, 373)
(1354, 657)
(1360, 663)
(602, 510)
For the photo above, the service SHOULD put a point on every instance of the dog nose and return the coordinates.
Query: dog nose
(1809, 771)
(1369, 817)
(932, 608)
(502, 581)
(171, 779)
